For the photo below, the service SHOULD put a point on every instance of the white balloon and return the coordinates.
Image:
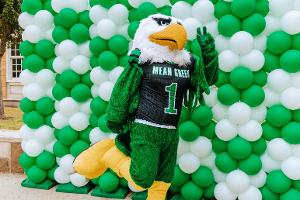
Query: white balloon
(222, 43)
(26, 133)
(290, 22)
(188, 163)
(115, 73)
(99, 75)
(33, 148)
(97, 13)
(44, 134)
(60, 176)
(183, 147)
(95, 91)
(160, 3)
(59, 120)
(79, 5)
(106, 28)
(25, 19)
(241, 42)
(238, 181)
(259, 113)
(48, 35)
(269, 164)
(203, 11)
(84, 49)
(272, 24)
(296, 79)
(279, 149)
(123, 30)
(290, 98)
(212, 28)
(271, 97)
(280, 7)
(44, 19)
(105, 90)
(209, 161)
(228, 60)
(250, 131)
(86, 107)
(201, 147)
(218, 175)
(80, 64)
(78, 180)
(259, 179)
(239, 113)
(211, 98)
(118, 13)
(297, 5)
(290, 167)
(254, 60)
(220, 111)
(250, 194)
(191, 25)
(45, 77)
(66, 163)
(33, 91)
(49, 146)
(135, 3)
(260, 42)
(27, 77)
(60, 64)
(222, 192)
(79, 121)
(279, 80)
(68, 49)
(93, 31)
(181, 10)
(68, 106)
(33, 34)
(226, 130)
(58, 5)
(296, 150)
(97, 135)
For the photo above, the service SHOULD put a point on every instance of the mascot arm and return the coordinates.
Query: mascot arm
(125, 95)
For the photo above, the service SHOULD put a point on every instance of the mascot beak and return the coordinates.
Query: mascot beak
(173, 36)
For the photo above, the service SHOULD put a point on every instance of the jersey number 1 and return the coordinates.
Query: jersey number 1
(171, 89)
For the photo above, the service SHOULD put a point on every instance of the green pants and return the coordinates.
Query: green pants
(153, 154)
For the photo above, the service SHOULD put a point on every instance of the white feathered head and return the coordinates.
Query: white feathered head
(161, 39)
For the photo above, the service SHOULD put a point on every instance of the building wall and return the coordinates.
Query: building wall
(3, 76)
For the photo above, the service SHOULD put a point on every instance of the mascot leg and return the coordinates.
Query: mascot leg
(158, 190)
(89, 163)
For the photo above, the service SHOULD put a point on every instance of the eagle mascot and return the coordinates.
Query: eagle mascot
(146, 102)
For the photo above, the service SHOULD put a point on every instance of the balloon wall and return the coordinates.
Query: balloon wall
(244, 143)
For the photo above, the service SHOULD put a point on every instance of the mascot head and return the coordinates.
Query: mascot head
(161, 39)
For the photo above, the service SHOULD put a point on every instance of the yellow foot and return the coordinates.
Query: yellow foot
(158, 190)
(89, 163)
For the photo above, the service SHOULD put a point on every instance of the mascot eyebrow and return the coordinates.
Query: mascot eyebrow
(162, 21)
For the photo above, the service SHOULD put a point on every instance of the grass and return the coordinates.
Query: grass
(13, 120)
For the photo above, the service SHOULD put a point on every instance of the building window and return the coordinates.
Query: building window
(14, 63)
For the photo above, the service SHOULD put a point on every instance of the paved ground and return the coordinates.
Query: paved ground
(11, 189)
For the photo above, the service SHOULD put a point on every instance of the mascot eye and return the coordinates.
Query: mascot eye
(162, 21)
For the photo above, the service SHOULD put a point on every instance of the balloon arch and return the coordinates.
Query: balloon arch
(244, 143)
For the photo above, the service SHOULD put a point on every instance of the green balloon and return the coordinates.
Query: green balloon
(259, 146)
(78, 147)
(108, 60)
(45, 48)
(296, 184)
(33, 119)
(279, 42)
(268, 194)
(98, 45)
(209, 191)
(275, 177)
(296, 115)
(262, 7)
(48, 121)
(241, 77)
(228, 95)
(296, 42)
(289, 61)
(133, 26)
(191, 191)
(49, 64)
(118, 44)
(48, 7)
(225, 163)
(251, 165)
(222, 8)
(67, 135)
(95, 181)
(125, 3)
(260, 78)
(59, 92)
(133, 15)
(278, 110)
(291, 194)
(195, 48)
(184, 116)
(98, 106)
(26, 161)
(26, 105)
(79, 33)
(165, 10)
(189, 131)
(45, 106)
(228, 25)
(208, 131)
(104, 3)
(67, 17)
(51, 173)
(123, 60)
(270, 132)
(219, 145)
(60, 150)
(253, 96)
(180, 177)
(239, 148)
(202, 115)
(34, 63)
(255, 24)
(223, 78)
(93, 120)
(272, 62)
(102, 123)
(290, 132)
(60, 34)
(108, 182)
(85, 134)
(26, 48)
(31, 6)
(36, 174)
(45, 160)
(242, 8)
(81, 92)
(86, 79)
(94, 61)
(146, 9)
(203, 177)
(84, 18)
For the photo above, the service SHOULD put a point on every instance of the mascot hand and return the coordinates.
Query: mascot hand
(134, 56)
